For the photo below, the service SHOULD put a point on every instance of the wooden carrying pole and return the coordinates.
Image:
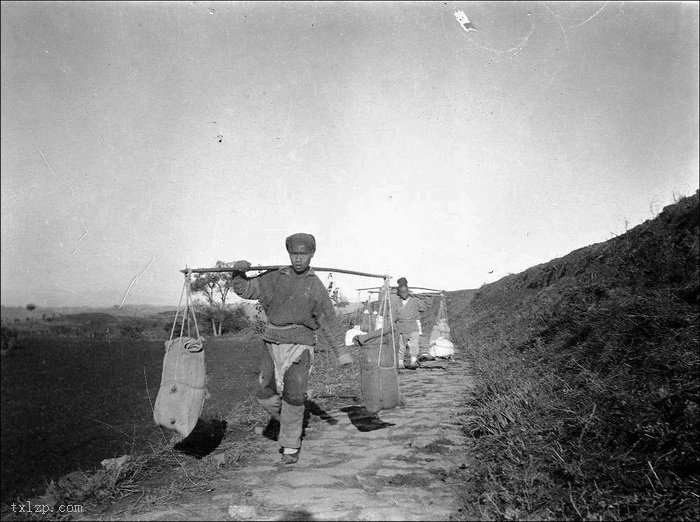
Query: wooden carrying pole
(377, 288)
(410, 293)
(277, 267)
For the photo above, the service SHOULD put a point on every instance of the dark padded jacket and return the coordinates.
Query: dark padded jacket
(296, 306)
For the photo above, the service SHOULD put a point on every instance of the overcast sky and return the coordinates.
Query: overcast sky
(142, 137)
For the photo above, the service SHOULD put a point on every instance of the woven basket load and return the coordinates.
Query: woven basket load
(182, 387)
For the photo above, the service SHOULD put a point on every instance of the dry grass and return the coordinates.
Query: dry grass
(587, 398)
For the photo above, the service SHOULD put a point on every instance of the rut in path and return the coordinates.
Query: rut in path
(412, 466)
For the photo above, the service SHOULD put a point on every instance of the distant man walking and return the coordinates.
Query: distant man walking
(296, 304)
(406, 310)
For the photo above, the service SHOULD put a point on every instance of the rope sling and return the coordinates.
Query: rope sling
(384, 311)
(442, 312)
(384, 307)
(187, 310)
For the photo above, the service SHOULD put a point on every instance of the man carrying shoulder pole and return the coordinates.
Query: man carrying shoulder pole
(296, 304)
(406, 310)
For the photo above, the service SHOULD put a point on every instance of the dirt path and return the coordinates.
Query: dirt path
(409, 468)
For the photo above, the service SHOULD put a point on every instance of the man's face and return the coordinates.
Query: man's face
(300, 257)
(403, 292)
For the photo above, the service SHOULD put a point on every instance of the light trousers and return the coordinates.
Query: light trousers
(287, 407)
(411, 340)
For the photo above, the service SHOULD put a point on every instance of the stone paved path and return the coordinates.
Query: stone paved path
(411, 468)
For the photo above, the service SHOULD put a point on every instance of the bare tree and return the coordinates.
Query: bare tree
(339, 300)
(215, 287)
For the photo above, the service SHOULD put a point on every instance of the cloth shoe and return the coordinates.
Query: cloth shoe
(290, 458)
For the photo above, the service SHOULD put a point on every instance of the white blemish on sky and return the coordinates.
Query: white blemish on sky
(464, 21)
(385, 129)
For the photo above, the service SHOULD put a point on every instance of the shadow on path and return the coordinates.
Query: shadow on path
(314, 409)
(299, 514)
(272, 430)
(363, 419)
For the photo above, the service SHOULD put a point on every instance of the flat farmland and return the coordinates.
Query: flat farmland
(67, 404)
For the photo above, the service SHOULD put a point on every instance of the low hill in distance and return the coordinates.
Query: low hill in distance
(10, 313)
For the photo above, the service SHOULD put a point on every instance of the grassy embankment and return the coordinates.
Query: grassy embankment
(587, 366)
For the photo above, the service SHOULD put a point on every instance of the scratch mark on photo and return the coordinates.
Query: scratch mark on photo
(515, 50)
(52, 171)
(136, 279)
(561, 28)
(590, 17)
(81, 238)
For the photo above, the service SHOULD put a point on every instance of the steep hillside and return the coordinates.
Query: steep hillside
(587, 404)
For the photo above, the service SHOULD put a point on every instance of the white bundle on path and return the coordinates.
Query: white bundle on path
(442, 348)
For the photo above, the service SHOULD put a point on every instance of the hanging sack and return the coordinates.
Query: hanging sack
(182, 389)
(379, 381)
(183, 385)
